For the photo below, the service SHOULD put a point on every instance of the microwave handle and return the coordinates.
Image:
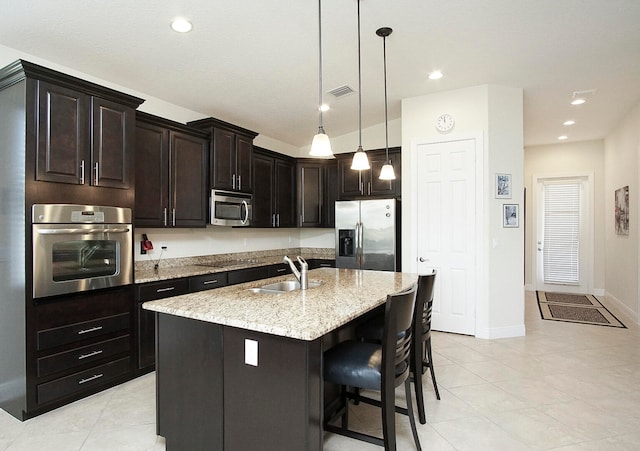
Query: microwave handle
(246, 212)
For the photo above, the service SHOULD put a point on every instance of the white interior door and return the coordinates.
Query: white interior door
(446, 214)
(563, 243)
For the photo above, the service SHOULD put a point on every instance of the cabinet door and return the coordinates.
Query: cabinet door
(284, 197)
(350, 180)
(151, 179)
(112, 149)
(310, 191)
(223, 163)
(262, 213)
(188, 180)
(63, 135)
(386, 188)
(244, 157)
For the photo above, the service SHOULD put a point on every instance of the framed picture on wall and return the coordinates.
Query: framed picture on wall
(622, 210)
(503, 186)
(510, 215)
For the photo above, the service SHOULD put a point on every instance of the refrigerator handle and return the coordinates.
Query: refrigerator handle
(359, 233)
(357, 244)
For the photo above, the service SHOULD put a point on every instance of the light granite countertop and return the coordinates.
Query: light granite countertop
(195, 266)
(343, 295)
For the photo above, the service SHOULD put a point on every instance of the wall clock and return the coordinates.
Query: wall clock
(445, 122)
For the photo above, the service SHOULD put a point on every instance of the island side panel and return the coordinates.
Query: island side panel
(189, 378)
(276, 405)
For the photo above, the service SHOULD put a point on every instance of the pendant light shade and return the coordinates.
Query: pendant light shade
(360, 161)
(320, 146)
(387, 172)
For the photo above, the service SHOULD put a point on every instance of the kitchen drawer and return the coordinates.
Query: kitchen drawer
(279, 270)
(207, 281)
(322, 263)
(247, 275)
(63, 361)
(65, 386)
(164, 289)
(57, 336)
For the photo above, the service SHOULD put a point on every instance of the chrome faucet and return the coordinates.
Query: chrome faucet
(300, 275)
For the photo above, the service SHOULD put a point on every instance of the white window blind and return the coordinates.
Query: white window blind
(562, 233)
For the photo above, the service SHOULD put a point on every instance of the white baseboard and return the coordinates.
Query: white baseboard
(502, 332)
(622, 306)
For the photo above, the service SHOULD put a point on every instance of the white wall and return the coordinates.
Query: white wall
(495, 114)
(621, 160)
(586, 157)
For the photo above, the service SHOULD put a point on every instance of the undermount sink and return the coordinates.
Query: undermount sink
(282, 287)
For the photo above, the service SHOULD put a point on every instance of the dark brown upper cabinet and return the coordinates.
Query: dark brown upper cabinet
(359, 184)
(273, 189)
(317, 192)
(231, 154)
(171, 174)
(83, 139)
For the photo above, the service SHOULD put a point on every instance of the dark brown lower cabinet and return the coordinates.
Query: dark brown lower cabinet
(210, 398)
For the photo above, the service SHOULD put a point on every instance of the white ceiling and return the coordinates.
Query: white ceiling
(254, 63)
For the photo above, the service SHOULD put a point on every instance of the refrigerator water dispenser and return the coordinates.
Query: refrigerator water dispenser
(346, 239)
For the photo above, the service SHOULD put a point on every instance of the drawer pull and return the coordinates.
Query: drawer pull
(89, 379)
(160, 290)
(91, 354)
(281, 270)
(207, 282)
(86, 331)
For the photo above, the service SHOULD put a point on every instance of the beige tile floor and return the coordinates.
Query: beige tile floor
(562, 387)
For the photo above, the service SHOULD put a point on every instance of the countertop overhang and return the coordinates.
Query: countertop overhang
(343, 295)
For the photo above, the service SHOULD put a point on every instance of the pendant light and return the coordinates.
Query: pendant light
(360, 161)
(320, 146)
(387, 172)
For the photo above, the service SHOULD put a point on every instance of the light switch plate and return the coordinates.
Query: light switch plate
(251, 352)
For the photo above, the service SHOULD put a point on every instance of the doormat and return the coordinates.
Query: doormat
(575, 308)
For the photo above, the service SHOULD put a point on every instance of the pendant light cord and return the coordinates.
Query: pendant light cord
(359, 86)
(386, 123)
(320, 62)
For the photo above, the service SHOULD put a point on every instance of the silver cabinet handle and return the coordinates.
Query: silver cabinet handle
(91, 354)
(82, 172)
(233, 181)
(165, 216)
(97, 178)
(89, 379)
(239, 182)
(161, 290)
(281, 269)
(278, 220)
(86, 331)
(207, 282)
(173, 217)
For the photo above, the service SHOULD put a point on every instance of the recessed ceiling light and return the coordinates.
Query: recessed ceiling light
(562, 137)
(181, 25)
(578, 101)
(324, 107)
(569, 122)
(435, 75)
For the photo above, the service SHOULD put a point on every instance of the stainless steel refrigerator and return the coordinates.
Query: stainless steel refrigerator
(368, 234)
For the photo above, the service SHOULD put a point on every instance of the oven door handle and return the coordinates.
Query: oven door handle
(70, 231)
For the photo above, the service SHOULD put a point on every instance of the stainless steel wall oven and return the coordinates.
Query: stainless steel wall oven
(80, 247)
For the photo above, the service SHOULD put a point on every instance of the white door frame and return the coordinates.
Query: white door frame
(480, 285)
(587, 259)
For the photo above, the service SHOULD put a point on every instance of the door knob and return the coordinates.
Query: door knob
(422, 260)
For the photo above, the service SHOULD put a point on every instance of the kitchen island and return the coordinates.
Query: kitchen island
(239, 369)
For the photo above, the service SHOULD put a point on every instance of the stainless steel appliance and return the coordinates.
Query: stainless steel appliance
(80, 247)
(230, 208)
(368, 234)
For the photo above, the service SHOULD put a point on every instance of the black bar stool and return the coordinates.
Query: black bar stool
(421, 357)
(376, 366)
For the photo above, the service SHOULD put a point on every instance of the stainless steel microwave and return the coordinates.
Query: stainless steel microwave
(230, 208)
